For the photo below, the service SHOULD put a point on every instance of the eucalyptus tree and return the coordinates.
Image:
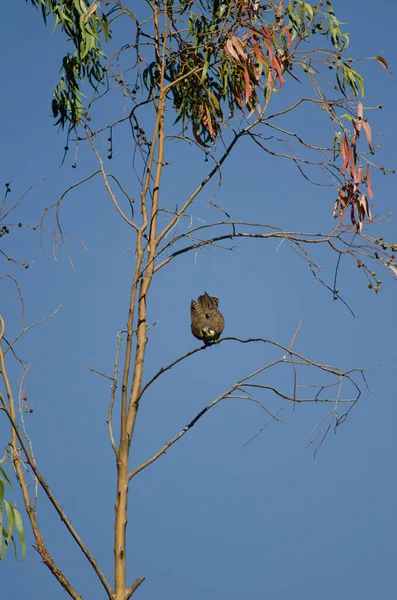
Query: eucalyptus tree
(209, 75)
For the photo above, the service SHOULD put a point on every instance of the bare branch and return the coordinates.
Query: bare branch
(168, 367)
(272, 418)
(113, 393)
(107, 185)
(7, 276)
(57, 205)
(10, 412)
(18, 202)
(97, 372)
(25, 329)
(246, 383)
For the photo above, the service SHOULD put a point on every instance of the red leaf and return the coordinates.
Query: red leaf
(367, 130)
(345, 154)
(357, 128)
(357, 123)
(230, 50)
(208, 121)
(353, 218)
(248, 90)
(365, 206)
(238, 44)
(343, 199)
(277, 67)
(91, 10)
(288, 36)
(197, 136)
(238, 93)
(352, 160)
(267, 41)
(274, 61)
(260, 56)
(369, 186)
(359, 175)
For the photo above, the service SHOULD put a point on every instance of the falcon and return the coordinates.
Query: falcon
(206, 321)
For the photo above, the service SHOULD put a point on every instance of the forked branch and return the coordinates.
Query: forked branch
(245, 387)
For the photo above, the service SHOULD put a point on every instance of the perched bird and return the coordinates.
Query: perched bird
(207, 322)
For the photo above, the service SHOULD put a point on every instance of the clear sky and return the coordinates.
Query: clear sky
(210, 519)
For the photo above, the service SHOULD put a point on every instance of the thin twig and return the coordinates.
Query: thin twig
(113, 393)
(96, 371)
(47, 318)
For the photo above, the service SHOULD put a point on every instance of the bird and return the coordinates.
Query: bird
(207, 322)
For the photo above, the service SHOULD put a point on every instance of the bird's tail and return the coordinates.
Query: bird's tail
(208, 302)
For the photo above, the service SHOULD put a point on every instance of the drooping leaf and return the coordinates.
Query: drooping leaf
(248, 90)
(382, 61)
(367, 129)
(20, 531)
(4, 474)
(359, 175)
(345, 154)
(10, 527)
(229, 48)
(368, 179)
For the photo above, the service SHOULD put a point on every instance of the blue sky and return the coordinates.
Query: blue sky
(210, 519)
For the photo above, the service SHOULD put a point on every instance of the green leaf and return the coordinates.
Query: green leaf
(56, 23)
(20, 531)
(105, 27)
(353, 78)
(10, 526)
(14, 520)
(215, 103)
(4, 474)
(1, 515)
(340, 84)
(205, 69)
(309, 10)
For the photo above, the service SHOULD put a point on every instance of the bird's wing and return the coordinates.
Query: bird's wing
(195, 309)
(215, 300)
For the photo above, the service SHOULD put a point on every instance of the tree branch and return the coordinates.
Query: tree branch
(244, 384)
(10, 412)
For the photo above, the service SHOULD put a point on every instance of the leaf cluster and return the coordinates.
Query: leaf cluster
(83, 24)
(232, 55)
(222, 57)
